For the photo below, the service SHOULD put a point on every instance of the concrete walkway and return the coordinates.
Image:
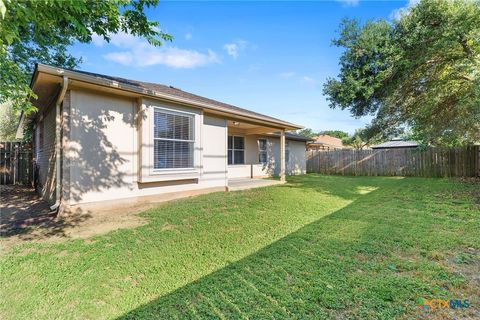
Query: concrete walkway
(247, 183)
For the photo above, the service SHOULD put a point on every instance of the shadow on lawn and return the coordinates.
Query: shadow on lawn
(327, 269)
(345, 187)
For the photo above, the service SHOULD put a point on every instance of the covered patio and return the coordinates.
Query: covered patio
(251, 153)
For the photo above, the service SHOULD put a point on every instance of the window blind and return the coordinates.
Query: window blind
(173, 140)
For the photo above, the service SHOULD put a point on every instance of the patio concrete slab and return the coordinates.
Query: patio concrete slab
(248, 183)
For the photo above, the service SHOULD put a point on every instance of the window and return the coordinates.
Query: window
(262, 150)
(173, 139)
(236, 150)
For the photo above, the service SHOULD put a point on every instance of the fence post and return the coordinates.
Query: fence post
(14, 157)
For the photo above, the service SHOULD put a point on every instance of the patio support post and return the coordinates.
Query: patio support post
(282, 155)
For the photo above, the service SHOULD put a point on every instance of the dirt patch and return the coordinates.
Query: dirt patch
(19, 203)
(467, 264)
(74, 225)
(474, 181)
(104, 221)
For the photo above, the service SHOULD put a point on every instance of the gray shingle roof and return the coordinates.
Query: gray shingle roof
(170, 90)
(396, 143)
(293, 136)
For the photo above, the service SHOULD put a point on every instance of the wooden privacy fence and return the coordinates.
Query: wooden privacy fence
(432, 162)
(15, 163)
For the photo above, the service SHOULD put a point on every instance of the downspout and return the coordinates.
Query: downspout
(58, 144)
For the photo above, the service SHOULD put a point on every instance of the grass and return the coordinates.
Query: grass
(317, 247)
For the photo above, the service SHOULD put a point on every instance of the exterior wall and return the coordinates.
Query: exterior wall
(106, 154)
(253, 170)
(66, 125)
(108, 151)
(252, 167)
(214, 152)
(45, 154)
(296, 164)
(147, 172)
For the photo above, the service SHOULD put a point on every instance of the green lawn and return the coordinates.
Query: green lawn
(317, 247)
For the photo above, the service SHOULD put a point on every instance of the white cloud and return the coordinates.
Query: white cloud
(125, 40)
(138, 52)
(234, 48)
(349, 3)
(97, 40)
(398, 13)
(120, 39)
(125, 58)
(143, 56)
(411, 3)
(188, 36)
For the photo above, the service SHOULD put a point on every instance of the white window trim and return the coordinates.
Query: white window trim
(260, 150)
(152, 132)
(233, 150)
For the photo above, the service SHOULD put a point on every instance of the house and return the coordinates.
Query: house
(325, 142)
(100, 138)
(396, 143)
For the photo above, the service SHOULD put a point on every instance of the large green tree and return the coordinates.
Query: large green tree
(43, 30)
(361, 139)
(307, 132)
(420, 71)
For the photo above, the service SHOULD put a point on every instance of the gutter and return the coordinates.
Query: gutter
(58, 143)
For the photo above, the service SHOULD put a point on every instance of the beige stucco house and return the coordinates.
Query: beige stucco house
(100, 138)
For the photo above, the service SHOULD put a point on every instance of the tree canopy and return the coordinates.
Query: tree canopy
(420, 71)
(8, 122)
(307, 132)
(42, 31)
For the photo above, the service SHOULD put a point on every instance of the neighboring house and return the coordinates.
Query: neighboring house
(101, 138)
(396, 143)
(325, 142)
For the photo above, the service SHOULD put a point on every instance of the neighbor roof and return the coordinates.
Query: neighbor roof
(293, 136)
(159, 91)
(396, 143)
(325, 139)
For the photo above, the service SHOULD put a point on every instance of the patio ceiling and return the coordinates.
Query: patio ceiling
(245, 128)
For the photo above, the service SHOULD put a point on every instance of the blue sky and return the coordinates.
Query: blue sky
(270, 57)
